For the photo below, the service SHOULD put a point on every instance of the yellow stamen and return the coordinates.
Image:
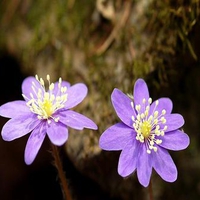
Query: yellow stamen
(146, 129)
(47, 106)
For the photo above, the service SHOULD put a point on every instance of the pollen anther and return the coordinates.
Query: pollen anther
(148, 125)
(45, 103)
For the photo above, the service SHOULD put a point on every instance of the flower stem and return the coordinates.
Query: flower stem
(150, 191)
(61, 174)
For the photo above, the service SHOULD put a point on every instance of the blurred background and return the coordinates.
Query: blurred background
(105, 44)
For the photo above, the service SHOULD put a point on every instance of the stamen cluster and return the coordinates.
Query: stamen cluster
(147, 125)
(46, 103)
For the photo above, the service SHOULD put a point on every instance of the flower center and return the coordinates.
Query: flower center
(46, 103)
(146, 129)
(47, 106)
(149, 126)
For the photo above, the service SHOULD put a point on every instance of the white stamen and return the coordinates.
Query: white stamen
(148, 125)
(48, 77)
(157, 102)
(45, 103)
(132, 105)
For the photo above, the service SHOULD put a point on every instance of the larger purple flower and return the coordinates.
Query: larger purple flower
(146, 132)
(44, 112)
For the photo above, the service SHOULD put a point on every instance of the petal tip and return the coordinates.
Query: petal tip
(94, 127)
(5, 138)
(28, 162)
(27, 159)
(140, 81)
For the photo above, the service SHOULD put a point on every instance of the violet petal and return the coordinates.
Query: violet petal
(34, 143)
(76, 94)
(116, 137)
(173, 122)
(122, 105)
(140, 92)
(175, 140)
(57, 132)
(164, 165)
(76, 120)
(164, 104)
(27, 87)
(128, 158)
(144, 166)
(19, 126)
(14, 109)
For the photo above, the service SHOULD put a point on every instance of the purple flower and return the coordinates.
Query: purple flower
(146, 132)
(44, 112)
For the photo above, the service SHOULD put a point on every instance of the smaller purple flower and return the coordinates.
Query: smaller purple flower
(44, 112)
(145, 134)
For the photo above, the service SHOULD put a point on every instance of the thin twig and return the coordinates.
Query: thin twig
(150, 191)
(115, 31)
(61, 173)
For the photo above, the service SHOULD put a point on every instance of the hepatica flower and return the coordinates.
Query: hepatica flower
(146, 131)
(44, 111)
